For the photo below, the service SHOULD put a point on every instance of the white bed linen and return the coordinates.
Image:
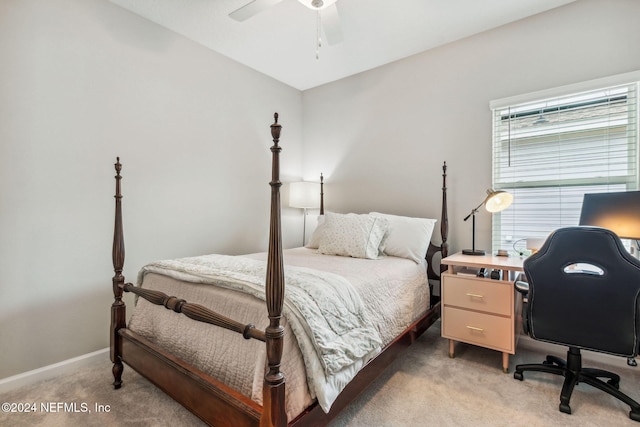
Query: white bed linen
(394, 290)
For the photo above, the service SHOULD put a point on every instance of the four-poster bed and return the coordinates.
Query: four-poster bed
(179, 371)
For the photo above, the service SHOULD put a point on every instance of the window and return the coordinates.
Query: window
(550, 149)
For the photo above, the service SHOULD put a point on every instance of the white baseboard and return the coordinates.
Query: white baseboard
(51, 371)
(616, 362)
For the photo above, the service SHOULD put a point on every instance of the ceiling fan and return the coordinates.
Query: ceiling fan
(326, 10)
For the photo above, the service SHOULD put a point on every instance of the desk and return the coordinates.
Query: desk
(480, 310)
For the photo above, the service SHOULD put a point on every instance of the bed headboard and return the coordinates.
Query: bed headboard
(433, 250)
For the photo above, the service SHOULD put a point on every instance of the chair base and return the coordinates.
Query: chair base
(574, 373)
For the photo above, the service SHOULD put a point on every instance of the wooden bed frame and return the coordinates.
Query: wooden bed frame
(212, 401)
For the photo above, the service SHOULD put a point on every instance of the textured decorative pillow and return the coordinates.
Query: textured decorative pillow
(314, 240)
(408, 237)
(353, 235)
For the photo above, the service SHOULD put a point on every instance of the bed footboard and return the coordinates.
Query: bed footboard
(195, 311)
(209, 399)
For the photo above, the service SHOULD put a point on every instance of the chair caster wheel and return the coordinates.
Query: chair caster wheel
(518, 375)
(564, 407)
(635, 416)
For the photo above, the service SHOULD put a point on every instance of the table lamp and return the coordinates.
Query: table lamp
(304, 195)
(496, 201)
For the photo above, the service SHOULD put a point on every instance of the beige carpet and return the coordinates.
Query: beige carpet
(423, 387)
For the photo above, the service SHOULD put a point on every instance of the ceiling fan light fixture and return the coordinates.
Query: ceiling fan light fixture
(317, 4)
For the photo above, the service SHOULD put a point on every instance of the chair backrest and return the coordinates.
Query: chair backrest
(586, 309)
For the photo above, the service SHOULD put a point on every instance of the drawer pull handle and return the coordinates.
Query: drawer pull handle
(473, 328)
(475, 295)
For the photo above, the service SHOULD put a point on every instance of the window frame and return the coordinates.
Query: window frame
(632, 78)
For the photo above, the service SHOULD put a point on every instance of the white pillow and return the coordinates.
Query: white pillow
(314, 240)
(353, 235)
(408, 237)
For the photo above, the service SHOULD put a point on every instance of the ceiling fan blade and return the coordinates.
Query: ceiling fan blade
(331, 24)
(252, 8)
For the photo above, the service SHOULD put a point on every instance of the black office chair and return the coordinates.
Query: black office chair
(582, 292)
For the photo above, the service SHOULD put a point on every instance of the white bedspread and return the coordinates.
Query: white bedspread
(322, 308)
(394, 292)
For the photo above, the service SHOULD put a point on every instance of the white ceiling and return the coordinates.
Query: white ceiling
(281, 41)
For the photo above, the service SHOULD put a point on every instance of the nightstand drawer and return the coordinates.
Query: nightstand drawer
(482, 329)
(491, 296)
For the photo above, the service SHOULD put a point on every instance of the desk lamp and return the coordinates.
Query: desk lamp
(496, 201)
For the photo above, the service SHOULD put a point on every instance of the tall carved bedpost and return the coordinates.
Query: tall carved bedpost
(274, 382)
(321, 194)
(443, 248)
(444, 223)
(118, 306)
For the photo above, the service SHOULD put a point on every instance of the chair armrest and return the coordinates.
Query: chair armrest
(521, 284)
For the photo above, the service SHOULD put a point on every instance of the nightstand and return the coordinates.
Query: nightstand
(482, 311)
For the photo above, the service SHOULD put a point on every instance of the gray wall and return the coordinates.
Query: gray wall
(84, 81)
(389, 130)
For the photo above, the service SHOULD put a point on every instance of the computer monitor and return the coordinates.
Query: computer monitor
(619, 212)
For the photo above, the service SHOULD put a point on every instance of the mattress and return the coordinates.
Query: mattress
(394, 292)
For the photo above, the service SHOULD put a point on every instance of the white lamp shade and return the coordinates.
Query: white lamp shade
(304, 194)
(497, 201)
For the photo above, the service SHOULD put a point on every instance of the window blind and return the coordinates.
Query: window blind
(549, 152)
